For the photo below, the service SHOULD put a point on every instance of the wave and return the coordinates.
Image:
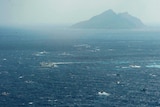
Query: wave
(153, 66)
(134, 66)
(41, 53)
(82, 45)
(65, 54)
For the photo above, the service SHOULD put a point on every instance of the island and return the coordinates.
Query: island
(111, 20)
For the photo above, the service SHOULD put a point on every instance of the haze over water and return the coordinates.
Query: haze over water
(53, 12)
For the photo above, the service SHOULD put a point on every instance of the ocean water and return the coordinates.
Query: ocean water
(75, 68)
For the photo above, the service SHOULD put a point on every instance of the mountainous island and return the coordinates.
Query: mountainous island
(111, 20)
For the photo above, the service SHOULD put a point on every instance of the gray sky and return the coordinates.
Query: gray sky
(31, 12)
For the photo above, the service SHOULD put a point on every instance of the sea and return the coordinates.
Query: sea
(79, 68)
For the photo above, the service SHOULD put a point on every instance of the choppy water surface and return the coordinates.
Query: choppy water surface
(103, 71)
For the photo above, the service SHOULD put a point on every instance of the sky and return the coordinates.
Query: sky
(41, 12)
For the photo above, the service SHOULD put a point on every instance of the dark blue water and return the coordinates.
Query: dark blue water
(79, 69)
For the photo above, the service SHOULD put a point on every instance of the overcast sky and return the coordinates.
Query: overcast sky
(30, 12)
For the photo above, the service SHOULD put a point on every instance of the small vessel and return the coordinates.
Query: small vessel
(102, 93)
(47, 64)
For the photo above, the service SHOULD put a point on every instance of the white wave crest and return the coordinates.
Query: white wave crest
(65, 54)
(134, 66)
(82, 45)
(42, 53)
(153, 66)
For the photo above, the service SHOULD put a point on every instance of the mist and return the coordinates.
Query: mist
(68, 12)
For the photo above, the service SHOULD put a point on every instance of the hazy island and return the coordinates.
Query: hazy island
(111, 20)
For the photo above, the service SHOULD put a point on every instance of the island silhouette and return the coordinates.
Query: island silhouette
(111, 20)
